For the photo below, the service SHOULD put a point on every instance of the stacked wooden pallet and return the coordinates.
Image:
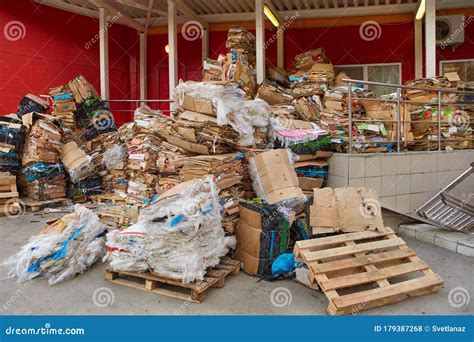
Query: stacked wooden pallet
(9, 201)
(363, 270)
(193, 292)
(34, 205)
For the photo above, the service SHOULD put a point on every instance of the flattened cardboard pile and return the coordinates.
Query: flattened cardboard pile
(308, 108)
(12, 136)
(82, 89)
(42, 176)
(274, 94)
(82, 174)
(335, 116)
(64, 106)
(345, 210)
(243, 42)
(314, 73)
(456, 120)
(31, 103)
(143, 150)
(212, 70)
(214, 118)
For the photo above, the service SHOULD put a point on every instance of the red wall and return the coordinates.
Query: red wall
(53, 51)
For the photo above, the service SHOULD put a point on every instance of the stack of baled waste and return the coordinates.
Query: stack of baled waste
(183, 234)
(58, 254)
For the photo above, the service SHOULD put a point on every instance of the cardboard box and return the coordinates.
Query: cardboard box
(254, 242)
(277, 176)
(72, 156)
(307, 184)
(203, 106)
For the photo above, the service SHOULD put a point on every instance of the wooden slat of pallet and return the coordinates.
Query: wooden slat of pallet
(321, 243)
(392, 290)
(356, 248)
(373, 276)
(35, 205)
(8, 194)
(361, 261)
(151, 282)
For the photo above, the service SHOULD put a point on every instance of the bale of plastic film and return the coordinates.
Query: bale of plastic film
(126, 249)
(184, 231)
(59, 255)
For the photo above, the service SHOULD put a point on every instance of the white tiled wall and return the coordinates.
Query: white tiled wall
(404, 181)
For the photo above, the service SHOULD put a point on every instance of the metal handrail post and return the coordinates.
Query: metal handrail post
(439, 120)
(350, 117)
(399, 93)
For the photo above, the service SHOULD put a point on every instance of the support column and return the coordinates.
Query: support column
(281, 47)
(260, 40)
(104, 54)
(143, 66)
(430, 38)
(205, 43)
(418, 26)
(173, 46)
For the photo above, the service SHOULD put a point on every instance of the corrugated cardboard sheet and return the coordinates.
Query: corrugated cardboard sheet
(277, 176)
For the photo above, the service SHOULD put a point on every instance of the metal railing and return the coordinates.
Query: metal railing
(399, 101)
(138, 103)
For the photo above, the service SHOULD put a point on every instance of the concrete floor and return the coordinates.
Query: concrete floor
(241, 295)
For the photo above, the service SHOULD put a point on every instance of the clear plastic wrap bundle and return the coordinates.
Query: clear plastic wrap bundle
(230, 107)
(115, 157)
(254, 114)
(126, 249)
(57, 255)
(184, 231)
(179, 236)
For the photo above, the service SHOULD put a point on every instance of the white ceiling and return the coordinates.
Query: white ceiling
(154, 12)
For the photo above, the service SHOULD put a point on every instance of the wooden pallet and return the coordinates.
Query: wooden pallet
(193, 292)
(108, 198)
(363, 270)
(34, 205)
(7, 186)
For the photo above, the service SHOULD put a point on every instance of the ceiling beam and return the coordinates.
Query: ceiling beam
(115, 12)
(275, 12)
(148, 13)
(142, 7)
(69, 7)
(319, 13)
(186, 11)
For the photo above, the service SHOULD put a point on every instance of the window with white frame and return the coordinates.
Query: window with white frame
(464, 68)
(384, 73)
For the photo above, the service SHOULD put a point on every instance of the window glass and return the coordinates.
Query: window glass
(384, 74)
(354, 72)
(464, 69)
